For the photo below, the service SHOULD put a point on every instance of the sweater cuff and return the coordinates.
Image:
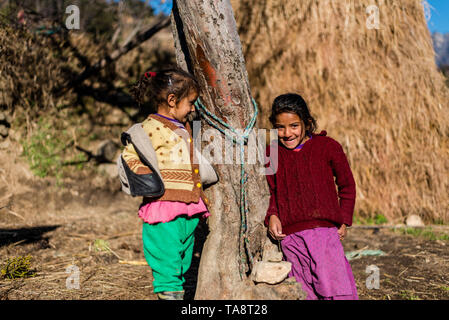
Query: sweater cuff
(347, 220)
(267, 218)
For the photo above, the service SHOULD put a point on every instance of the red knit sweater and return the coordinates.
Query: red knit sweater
(303, 192)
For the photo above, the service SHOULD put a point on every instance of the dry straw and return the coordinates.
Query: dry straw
(377, 91)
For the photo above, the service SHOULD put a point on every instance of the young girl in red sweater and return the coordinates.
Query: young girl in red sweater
(307, 213)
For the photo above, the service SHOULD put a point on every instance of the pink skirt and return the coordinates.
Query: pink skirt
(319, 264)
(165, 211)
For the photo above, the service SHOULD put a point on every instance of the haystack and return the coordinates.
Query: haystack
(374, 88)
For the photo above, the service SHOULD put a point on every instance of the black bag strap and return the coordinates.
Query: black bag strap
(126, 138)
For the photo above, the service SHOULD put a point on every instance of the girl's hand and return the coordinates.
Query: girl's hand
(275, 228)
(342, 232)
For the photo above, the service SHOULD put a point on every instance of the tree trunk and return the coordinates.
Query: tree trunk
(207, 45)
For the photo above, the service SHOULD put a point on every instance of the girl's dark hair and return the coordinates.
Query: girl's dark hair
(293, 103)
(156, 88)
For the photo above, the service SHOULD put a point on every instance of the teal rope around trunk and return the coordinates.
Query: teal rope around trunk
(241, 140)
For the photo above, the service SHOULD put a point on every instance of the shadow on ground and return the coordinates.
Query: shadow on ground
(25, 235)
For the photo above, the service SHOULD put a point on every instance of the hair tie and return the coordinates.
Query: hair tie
(150, 74)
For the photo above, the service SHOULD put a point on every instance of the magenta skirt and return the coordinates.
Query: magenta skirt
(319, 264)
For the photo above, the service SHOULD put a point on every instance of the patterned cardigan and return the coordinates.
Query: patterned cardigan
(175, 152)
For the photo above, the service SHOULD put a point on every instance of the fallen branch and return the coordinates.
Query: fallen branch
(82, 236)
(14, 213)
(134, 262)
(93, 237)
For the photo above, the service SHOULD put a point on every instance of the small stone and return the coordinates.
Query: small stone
(107, 150)
(109, 169)
(271, 252)
(5, 117)
(271, 272)
(3, 130)
(6, 144)
(414, 221)
(59, 254)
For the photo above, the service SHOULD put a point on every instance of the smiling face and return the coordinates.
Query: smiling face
(291, 129)
(181, 110)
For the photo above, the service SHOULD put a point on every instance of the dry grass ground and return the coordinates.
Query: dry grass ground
(413, 267)
(59, 228)
(63, 227)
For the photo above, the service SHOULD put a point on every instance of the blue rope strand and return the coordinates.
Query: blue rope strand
(241, 140)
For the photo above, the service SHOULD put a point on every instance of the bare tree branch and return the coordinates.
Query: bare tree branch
(139, 38)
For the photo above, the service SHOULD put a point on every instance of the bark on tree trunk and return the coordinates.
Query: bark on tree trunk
(207, 45)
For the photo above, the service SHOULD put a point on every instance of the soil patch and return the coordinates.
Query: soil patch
(412, 268)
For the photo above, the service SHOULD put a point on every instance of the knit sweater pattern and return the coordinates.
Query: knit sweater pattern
(175, 157)
(303, 192)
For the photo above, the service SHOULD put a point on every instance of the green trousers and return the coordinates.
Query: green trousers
(168, 249)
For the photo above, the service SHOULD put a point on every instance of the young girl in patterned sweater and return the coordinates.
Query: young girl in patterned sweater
(306, 212)
(169, 221)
